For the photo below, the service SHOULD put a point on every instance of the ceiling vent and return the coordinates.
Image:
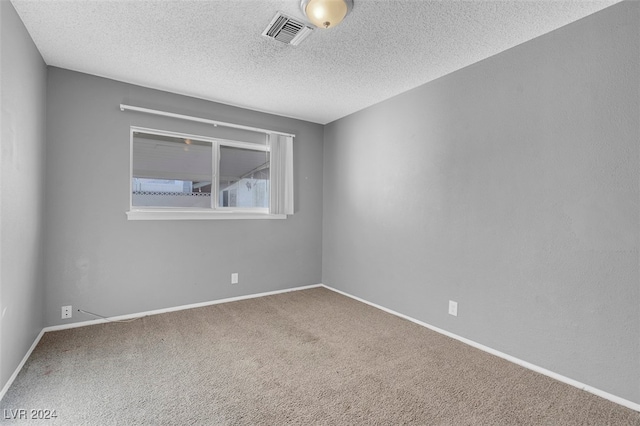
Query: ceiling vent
(287, 30)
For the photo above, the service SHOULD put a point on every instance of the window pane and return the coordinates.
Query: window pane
(244, 178)
(171, 171)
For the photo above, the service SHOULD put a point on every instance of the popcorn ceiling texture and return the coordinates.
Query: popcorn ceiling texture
(214, 50)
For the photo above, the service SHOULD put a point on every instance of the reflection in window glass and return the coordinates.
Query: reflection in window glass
(171, 171)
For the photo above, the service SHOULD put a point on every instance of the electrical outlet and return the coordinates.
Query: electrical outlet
(66, 312)
(234, 278)
(453, 308)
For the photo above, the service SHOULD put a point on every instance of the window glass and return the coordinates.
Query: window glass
(170, 171)
(197, 175)
(244, 178)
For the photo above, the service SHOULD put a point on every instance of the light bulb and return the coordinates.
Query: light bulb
(326, 13)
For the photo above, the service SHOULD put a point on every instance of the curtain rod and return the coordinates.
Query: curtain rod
(124, 107)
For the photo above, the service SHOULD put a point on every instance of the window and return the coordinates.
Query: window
(180, 176)
(244, 178)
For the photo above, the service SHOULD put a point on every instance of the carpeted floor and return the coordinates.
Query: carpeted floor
(305, 357)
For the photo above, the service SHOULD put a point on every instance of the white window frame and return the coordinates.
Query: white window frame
(215, 212)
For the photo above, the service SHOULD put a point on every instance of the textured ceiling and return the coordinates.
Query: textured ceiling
(214, 49)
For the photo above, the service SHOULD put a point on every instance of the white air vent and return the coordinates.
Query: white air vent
(287, 30)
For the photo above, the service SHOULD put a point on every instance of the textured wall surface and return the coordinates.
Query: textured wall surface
(21, 191)
(511, 187)
(102, 263)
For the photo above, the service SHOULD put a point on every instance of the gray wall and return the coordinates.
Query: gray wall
(511, 187)
(21, 191)
(100, 262)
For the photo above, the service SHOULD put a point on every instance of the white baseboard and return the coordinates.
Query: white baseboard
(525, 364)
(138, 315)
(174, 308)
(613, 398)
(24, 359)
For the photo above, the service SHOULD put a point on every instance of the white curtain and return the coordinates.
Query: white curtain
(281, 174)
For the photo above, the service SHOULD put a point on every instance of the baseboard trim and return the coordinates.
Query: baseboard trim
(522, 363)
(139, 315)
(24, 360)
(175, 308)
(606, 395)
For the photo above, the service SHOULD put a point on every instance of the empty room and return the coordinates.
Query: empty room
(239, 212)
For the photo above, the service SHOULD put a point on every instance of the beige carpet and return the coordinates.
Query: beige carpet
(305, 357)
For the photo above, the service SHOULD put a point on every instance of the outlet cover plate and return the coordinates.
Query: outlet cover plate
(234, 278)
(66, 312)
(453, 308)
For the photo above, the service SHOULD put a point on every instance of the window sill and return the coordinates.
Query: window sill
(161, 214)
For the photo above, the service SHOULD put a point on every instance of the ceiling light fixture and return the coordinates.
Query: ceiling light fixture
(326, 13)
